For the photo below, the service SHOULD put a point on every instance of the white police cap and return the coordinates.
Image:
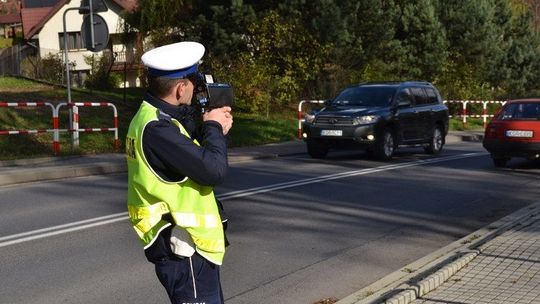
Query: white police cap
(175, 60)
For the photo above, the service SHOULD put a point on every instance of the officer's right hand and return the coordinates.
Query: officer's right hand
(222, 116)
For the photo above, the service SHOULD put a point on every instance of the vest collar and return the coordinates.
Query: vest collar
(179, 112)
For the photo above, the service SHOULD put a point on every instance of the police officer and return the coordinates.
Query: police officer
(171, 175)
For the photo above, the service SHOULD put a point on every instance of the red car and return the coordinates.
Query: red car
(514, 132)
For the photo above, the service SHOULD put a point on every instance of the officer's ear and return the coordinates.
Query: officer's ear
(180, 88)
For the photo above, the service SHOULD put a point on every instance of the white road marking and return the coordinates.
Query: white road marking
(113, 218)
(252, 191)
(35, 236)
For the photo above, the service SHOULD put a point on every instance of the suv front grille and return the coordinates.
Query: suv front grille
(334, 120)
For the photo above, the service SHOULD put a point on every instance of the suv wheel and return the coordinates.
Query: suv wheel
(436, 142)
(499, 162)
(384, 148)
(317, 149)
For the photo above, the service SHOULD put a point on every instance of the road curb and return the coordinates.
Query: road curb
(47, 173)
(472, 136)
(433, 281)
(428, 273)
(36, 173)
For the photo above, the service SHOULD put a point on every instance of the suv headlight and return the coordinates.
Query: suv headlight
(367, 119)
(309, 118)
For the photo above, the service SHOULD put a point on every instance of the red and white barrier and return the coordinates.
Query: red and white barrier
(55, 120)
(464, 111)
(75, 112)
(301, 114)
(36, 131)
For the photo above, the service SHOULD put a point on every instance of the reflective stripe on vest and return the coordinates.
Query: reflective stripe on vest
(148, 213)
(191, 205)
(196, 220)
(139, 212)
(148, 216)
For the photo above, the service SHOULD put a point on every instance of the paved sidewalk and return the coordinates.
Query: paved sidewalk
(507, 270)
(497, 264)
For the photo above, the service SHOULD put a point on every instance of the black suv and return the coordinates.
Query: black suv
(379, 116)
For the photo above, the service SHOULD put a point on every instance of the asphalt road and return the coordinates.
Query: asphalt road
(301, 229)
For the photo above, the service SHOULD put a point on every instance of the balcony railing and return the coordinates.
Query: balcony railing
(121, 57)
(123, 60)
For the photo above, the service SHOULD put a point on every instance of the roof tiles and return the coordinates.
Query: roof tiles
(31, 17)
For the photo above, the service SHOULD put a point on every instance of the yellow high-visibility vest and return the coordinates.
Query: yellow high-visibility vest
(192, 206)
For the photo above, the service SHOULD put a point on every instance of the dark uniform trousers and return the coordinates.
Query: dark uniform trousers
(190, 280)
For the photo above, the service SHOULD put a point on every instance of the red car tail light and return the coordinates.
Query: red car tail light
(491, 130)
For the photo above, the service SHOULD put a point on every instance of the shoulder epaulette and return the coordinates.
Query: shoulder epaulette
(164, 116)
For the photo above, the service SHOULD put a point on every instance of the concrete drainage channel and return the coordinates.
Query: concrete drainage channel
(426, 274)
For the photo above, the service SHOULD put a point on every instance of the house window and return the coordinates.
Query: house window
(74, 41)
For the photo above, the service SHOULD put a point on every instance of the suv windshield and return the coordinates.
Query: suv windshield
(521, 111)
(370, 96)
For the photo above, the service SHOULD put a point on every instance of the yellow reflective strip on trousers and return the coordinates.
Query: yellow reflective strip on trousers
(140, 212)
(196, 220)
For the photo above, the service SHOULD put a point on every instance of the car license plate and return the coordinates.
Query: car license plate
(519, 133)
(331, 132)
